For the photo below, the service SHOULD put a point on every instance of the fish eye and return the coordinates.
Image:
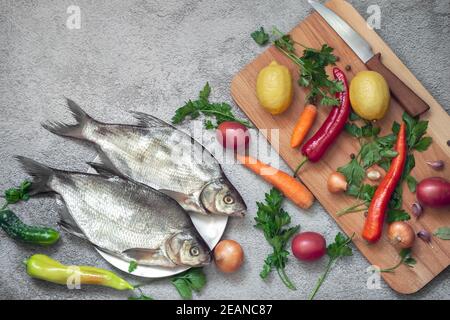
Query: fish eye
(228, 199)
(194, 251)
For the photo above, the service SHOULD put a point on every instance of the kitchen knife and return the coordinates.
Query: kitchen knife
(411, 102)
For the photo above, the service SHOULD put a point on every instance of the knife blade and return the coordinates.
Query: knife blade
(410, 101)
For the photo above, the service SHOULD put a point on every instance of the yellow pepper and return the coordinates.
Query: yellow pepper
(42, 267)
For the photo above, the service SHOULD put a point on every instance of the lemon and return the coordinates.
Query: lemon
(274, 88)
(369, 95)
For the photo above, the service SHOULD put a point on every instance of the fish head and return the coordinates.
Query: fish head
(221, 197)
(188, 249)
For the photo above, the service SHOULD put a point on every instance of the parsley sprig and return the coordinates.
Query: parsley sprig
(405, 258)
(273, 221)
(260, 36)
(14, 195)
(377, 150)
(194, 108)
(132, 266)
(191, 280)
(312, 66)
(141, 295)
(336, 250)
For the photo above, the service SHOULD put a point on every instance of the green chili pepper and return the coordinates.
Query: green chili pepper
(42, 267)
(16, 229)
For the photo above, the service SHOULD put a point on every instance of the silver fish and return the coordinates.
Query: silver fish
(122, 217)
(157, 154)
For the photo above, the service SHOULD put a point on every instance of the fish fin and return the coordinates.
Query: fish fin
(66, 220)
(148, 256)
(147, 120)
(73, 230)
(103, 170)
(68, 130)
(178, 196)
(187, 201)
(41, 175)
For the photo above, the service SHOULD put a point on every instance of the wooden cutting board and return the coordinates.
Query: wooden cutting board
(313, 32)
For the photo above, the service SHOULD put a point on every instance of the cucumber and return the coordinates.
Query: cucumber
(16, 229)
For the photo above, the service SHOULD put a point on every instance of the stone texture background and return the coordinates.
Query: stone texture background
(151, 56)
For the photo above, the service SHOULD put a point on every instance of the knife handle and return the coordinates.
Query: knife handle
(410, 101)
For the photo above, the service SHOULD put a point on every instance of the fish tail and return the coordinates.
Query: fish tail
(71, 130)
(41, 175)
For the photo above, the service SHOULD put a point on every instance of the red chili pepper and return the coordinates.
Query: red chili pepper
(316, 146)
(378, 206)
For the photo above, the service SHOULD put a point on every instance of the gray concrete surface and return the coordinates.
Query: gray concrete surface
(151, 56)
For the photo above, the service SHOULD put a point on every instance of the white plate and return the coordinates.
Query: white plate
(211, 228)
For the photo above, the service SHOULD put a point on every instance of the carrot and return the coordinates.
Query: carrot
(288, 185)
(304, 124)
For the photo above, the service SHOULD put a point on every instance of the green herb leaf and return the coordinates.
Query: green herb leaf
(353, 130)
(204, 93)
(395, 127)
(284, 41)
(396, 198)
(397, 215)
(196, 278)
(388, 154)
(354, 173)
(312, 66)
(221, 112)
(370, 154)
(407, 258)
(273, 221)
(370, 131)
(409, 165)
(132, 266)
(423, 144)
(385, 164)
(14, 195)
(364, 192)
(353, 116)
(340, 248)
(412, 183)
(191, 280)
(443, 233)
(183, 288)
(140, 297)
(260, 36)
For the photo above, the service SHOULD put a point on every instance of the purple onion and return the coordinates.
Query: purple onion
(417, 209)
(424, 235)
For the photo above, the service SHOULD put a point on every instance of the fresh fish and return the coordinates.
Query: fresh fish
(157, 154)
(122, 217)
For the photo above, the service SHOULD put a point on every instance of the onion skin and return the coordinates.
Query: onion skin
(434, 192)
(401, 234)
(228, 256)
(233, 135)
(336, 182)
(308, 246)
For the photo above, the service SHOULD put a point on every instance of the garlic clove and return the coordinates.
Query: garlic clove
(436, 165)
(417, 209)
(424, 235)
(373, 175)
